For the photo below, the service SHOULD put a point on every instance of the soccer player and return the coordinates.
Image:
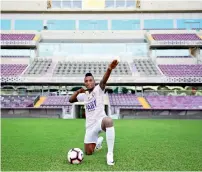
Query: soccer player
(96, 118)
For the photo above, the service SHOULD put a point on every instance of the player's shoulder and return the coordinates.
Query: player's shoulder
(80, 97)
(97, 87)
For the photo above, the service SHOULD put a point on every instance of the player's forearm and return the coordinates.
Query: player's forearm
(105, 78)
(73, 98)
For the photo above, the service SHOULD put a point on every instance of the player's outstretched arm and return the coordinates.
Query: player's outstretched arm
(73, 98)
(112, 66)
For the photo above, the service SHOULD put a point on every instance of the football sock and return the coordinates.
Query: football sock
(99, 142)
(110, 137)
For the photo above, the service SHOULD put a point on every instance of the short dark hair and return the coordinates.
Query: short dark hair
(89, 74)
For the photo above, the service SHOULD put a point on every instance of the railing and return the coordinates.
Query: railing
(175, 91)
(114, 80)
(17, 42)
(177, 43)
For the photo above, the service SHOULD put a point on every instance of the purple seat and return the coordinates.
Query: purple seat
(124, 101)
(58, 101)
(19, 37)
(175, 37)
(175, 102)
(182, 70)
(5, 56)
(12, 69)
(174, 57)
(18, 101)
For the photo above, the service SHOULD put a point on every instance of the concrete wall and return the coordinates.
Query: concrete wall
(15, 60)
(105, 35)
(106, 16)
(163, 5)
(23, 5)
(139, 21)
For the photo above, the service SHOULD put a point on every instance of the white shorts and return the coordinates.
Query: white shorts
(92, 134)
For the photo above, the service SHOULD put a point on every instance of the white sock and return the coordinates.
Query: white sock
(110, 137)
(99, 141)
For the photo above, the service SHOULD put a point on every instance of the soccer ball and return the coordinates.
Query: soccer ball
(75, 156)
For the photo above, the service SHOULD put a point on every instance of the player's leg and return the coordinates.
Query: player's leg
(89, 148)
(99, 143)
(91, 141)
(108, 126)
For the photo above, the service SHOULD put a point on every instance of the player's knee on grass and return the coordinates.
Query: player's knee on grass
(89, 152)
(106, 123)
(89, 148)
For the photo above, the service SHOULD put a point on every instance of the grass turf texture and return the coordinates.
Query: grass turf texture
(42, 144)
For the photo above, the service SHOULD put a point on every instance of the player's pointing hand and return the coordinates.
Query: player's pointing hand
(113, 64)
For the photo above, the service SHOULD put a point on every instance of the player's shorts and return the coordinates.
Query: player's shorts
(91, 135)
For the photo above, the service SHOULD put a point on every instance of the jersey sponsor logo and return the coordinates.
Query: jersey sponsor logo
(91, 106)
(91, 96)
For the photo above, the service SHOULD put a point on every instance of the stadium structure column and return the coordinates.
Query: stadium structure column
(149, 54)
(36, 52)
(42, 90)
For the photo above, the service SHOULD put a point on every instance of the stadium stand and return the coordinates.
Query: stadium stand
(40, 101)
(12, 69)
(189, 37)
(145, 67)
(4, 56)
(58, 101)
(97, 68)
(182, 70)
(39, 67)
(173, 39)
(175, 102)
(83, 57)
(18, 37)
(130, 104)
(124, 101)
(174, 56)
(18, 101)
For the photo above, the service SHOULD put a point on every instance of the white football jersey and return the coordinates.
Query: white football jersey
(94, 105)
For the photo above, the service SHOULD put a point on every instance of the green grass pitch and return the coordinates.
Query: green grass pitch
(42, 144)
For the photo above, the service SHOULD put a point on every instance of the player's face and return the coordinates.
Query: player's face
(89, 82)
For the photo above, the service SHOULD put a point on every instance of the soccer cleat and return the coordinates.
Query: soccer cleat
(99, 144)
(110, 158)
